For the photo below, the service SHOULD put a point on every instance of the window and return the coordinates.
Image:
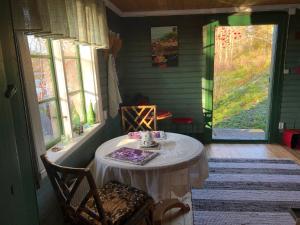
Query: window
(74, 81)
(67, 87)
(45, 85)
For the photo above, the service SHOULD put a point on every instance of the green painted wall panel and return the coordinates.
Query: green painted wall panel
(290, 110)
(177, 89)
(19, 202)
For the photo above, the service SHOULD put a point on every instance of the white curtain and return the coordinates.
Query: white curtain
(81, 20)
(114, 97)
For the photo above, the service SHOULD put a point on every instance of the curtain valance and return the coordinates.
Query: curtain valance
(81, 20)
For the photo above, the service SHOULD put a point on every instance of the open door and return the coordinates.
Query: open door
(243, 69)
(278, 21)
(207, 79)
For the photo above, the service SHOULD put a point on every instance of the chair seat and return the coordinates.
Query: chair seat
(119, 202)
(183, 120)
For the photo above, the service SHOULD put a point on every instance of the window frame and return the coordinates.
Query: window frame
(55, 99)
(91, 76)
(80, 76)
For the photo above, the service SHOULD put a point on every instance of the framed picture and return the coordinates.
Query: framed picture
(164, 44)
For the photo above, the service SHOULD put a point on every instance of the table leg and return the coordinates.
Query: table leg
(164, 206)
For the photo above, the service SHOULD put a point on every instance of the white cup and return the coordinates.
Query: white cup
(147, 139)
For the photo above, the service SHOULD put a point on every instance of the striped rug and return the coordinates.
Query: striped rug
(248, 191)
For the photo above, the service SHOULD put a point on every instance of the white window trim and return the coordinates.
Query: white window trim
(32, 100)
(75, 142)
(71, 147)
(62, 88)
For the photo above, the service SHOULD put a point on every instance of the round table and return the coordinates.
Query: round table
(180, 165)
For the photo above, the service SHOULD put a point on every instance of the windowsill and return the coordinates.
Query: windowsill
(74, 144)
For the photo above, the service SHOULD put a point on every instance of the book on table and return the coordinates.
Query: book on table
(131, 155)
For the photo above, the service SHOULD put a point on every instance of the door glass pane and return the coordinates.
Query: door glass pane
(73, 79)
(43, 79)
(69, 48)
(50, 122)
(77, 109)
(37, 46)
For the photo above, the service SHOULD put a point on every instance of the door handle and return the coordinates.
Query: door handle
(11, 90)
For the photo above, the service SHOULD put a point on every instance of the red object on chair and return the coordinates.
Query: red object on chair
(161, 115)
(183, 120)
(291, 138)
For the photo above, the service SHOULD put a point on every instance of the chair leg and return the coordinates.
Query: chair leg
(148, 221)
(149, 218)
(166, 205)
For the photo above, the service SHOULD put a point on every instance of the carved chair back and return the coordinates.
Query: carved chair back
(136, 118)
(74, 187)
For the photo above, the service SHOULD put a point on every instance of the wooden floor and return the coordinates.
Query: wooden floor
(253, 151)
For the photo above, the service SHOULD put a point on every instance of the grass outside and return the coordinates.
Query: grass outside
(241, 85)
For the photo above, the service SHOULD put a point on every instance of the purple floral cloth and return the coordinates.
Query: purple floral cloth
(135, 156)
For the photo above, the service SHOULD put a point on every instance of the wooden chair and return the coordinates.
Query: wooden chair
(136, 118)
(295, 212)
(83, 203)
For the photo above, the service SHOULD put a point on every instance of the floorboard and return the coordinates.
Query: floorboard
(252, 151)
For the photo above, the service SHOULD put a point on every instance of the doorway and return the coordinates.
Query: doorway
(243, 62)
(279, 20)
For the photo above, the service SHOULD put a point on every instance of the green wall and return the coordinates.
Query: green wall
(49, 210)
(176, 89)
(17, 189)
(290, 111)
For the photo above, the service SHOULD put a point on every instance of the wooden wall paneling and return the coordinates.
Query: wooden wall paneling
(16, 163)
(290, 110)
(176, 89)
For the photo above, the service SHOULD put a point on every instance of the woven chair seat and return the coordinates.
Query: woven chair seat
(119, 203)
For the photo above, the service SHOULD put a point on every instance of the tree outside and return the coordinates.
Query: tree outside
(242, 71)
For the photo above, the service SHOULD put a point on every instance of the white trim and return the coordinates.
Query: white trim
(259, 8)
(61, 82)
(74, 144)
(292, 11)
(113, 7)
(97, 75)
(32, 100)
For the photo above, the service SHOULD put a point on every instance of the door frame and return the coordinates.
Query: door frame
(275, 90)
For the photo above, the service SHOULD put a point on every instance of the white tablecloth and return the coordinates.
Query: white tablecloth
(181, 164)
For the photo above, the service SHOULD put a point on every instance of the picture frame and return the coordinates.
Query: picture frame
(164, 46)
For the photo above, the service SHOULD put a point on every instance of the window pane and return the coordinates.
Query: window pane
(69, 48)
(43, 79)
(50, 122)
(77, 108)
(73, 78)
(37, 46)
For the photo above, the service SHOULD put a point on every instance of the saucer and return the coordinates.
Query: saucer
(153, 144)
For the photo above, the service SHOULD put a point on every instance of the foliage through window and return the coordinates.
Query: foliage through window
(71, 61)
(46, 91)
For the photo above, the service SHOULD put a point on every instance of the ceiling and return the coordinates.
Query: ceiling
(128, 6)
